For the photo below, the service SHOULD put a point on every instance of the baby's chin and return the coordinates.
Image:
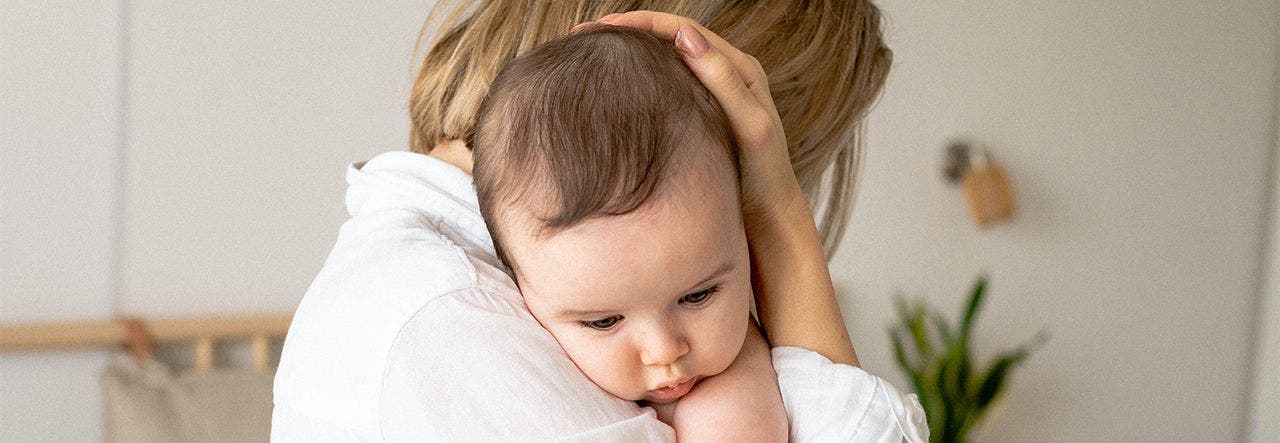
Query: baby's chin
(653, 401)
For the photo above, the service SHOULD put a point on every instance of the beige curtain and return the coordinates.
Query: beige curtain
(148, 403)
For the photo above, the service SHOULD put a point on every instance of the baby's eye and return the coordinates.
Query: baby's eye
(700, 297)
(603, 324)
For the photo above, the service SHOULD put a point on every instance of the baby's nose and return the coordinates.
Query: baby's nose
(662, 346)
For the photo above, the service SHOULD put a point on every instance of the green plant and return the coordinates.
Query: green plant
(955, 397)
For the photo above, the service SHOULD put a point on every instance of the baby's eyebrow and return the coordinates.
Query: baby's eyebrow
(724, 268)
(582, 313)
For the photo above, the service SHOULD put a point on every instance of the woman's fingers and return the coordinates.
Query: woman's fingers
(749, 117)
(733, 77)
(749, 70)
(738, 83)
(669, 24)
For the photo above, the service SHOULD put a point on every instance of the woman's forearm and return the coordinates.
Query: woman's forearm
(796, 300)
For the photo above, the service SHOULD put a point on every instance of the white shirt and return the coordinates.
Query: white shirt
(414, 331)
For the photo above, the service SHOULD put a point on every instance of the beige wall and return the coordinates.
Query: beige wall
(223, 194)
(243, 116)
(1265, 398)
(1137, 135)
(59, 133)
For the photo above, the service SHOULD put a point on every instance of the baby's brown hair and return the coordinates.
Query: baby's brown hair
(593, 124)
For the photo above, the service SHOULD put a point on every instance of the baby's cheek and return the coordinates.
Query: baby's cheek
(729, 333)
(606, 364)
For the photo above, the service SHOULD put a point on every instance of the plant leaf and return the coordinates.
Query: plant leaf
(900, 354)
(964, 367)
(975, 304)
(957, 373)
(952, 405)
(993, 381)
(954, 393)
(994, 377)
(904, 320)
(918, 332)
(944, 330)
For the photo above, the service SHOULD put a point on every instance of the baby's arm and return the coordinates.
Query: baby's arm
(740, 404)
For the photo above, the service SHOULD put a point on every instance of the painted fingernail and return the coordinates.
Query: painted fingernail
(610, 17)
(690, 41)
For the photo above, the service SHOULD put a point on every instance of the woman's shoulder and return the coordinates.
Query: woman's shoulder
(376, 286)
(475, 365)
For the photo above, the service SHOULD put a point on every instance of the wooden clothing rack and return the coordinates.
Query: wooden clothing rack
(138, 335)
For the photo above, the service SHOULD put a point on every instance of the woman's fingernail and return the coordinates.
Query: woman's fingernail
(610, 17)
(691, 41)
(580, 26)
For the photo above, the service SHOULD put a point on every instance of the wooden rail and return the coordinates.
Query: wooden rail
(203, 332)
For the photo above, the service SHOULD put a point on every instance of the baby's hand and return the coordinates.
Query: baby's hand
(740, 404)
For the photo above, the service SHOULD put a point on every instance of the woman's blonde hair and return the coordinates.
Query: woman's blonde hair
(825, 59)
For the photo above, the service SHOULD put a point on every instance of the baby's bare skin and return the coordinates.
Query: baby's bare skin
(740, 404)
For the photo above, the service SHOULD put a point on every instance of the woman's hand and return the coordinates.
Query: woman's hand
(793, 287)
(741, 87)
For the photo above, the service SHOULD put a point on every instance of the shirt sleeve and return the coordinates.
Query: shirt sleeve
(826, 401)
(475, 366)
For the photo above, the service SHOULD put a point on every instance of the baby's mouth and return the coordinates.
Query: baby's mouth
(671, 391)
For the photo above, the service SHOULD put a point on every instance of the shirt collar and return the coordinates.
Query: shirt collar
(439, 190)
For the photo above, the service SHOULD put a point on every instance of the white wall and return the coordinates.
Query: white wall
(243, 117)
(1265, 398)
(1137, 137)
(59, 90)
(1136, 134)
(223, 193)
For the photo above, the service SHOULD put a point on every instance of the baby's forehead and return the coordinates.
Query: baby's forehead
(658, 249)
(690, 186)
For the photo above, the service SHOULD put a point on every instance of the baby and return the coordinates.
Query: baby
(608, 177)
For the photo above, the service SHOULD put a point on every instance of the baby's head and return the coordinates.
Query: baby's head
(608, 177)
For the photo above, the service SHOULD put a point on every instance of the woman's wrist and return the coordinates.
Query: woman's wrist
(779, 208)
(794, 294)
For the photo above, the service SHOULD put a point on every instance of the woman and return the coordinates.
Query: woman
(825, 60)
(389, 363)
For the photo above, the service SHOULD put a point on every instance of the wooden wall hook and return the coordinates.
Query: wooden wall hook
(988, 191)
